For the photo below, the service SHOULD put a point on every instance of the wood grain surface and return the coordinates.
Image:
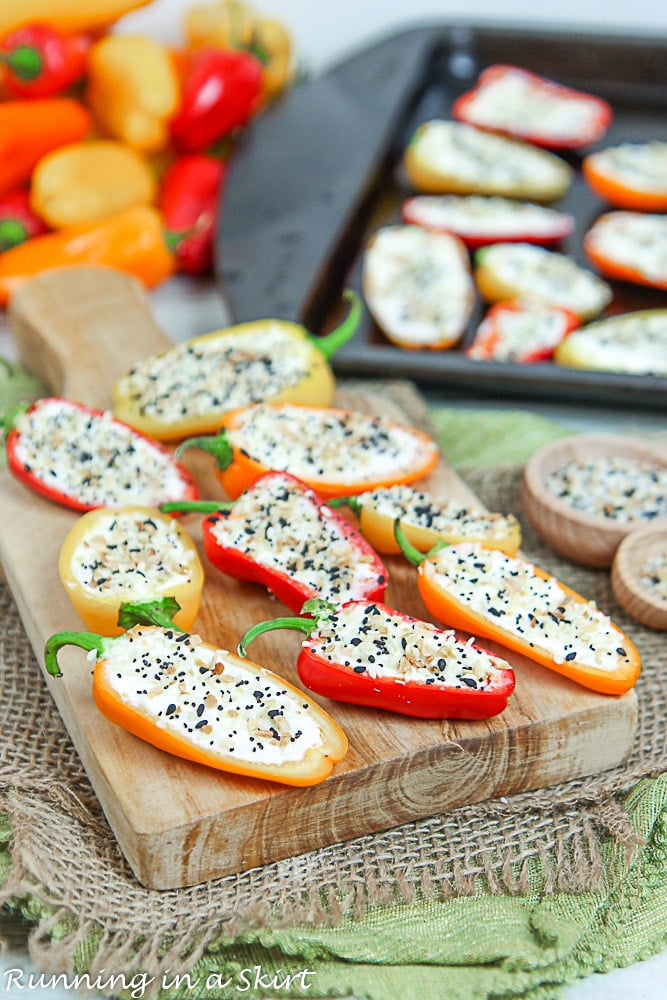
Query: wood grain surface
(179, 823)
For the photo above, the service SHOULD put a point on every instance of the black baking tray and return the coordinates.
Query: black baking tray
(316, 174)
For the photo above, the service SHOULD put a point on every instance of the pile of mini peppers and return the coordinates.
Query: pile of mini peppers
(113, 147)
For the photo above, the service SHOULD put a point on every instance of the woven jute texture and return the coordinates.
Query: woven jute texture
(66, 860)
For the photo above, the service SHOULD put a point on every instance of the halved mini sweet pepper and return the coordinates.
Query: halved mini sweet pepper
(113, 555)
(281, 535)
(83, 458)
(131, 241)
(632, 175)
(188, 389)
(629, 246)
(527, 106)
(521, 331)
(515, 603)
(426, 521)
(337, 452)
(634, 343)
(202, 703)
(369, 654)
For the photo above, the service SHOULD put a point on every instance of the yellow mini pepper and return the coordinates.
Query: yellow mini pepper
(112, 556)
(86, 181)
(188, 389)
(68, 16)
(133, 89)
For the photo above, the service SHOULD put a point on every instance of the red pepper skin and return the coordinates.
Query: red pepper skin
(37, 485)
(189, 200)
(41, 62)
(18, 222)
(221, 91)
(288, 591)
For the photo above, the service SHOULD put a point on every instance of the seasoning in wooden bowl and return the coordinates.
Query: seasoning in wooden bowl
(639, 575)
(585, 493)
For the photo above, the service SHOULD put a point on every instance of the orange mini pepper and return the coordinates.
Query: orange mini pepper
(336, 452)
(68, 16)
(29, 132)
(508, 599)
(130, 241)
(202, 703)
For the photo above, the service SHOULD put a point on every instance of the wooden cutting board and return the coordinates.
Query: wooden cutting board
(178, 823)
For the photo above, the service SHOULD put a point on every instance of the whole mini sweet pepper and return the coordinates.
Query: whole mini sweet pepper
(233, 25)
(426, 521)
(337, 452)
(131, 241)
(369, 654)
(204, 704)
(26, 135)
(189, 200)
(18, 222)
(86, 181)
(133, 89)
(113, 555)
(187, 389)
(280, 534)
(221, 91)
(82, 458)
(38, 61)
(510, 600)
(68, 16)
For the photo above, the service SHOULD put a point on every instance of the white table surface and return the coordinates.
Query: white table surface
(323, 32)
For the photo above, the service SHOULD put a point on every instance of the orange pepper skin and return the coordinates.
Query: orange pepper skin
(131, 241)
(447, 608)
(29, 133)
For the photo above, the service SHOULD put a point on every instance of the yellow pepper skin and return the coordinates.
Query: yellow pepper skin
(84, 564)
(133, 90)
(86, 181)
(68, 16)
(187, 390)
(427, 521)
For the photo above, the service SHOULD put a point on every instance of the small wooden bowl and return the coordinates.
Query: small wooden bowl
(587, 539)
(626, 573)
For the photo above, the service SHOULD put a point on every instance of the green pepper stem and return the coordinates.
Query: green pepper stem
(306, 625)
(9, 417)
(411, 553)
(85, 640)
(329, 344)
(215, 444)
(194, 506)
(351, 502)
(160, 613)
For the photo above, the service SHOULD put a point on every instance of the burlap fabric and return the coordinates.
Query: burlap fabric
(65, 862)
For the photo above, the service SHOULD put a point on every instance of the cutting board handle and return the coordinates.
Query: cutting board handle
(79, 328)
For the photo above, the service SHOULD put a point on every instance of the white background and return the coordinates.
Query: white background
(324, 32)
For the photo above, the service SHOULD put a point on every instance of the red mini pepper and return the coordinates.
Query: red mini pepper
(281, 535)
(221, 91)
(524, 105)
(521, 332)
(39, 61)
(18, 222)
(82, 458)
(189, 200)
(369, 654)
